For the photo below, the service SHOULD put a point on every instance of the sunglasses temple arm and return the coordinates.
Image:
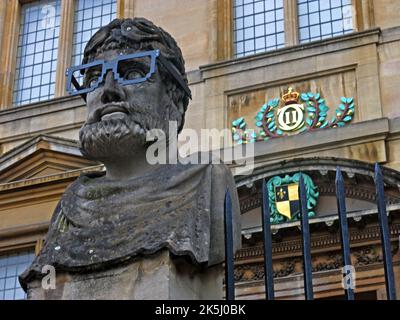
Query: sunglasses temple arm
(78, 87)
(176, 75)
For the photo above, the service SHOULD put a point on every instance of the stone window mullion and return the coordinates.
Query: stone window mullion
(65, 48)
(8, 53)
(291, 23)
(125, 9)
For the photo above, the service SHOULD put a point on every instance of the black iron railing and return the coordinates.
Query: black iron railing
(306, 244)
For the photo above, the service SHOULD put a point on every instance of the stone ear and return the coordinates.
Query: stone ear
(180, 106)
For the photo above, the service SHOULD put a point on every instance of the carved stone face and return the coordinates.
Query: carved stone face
(119, 116)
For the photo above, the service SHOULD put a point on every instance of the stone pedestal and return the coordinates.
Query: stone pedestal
(157, 277)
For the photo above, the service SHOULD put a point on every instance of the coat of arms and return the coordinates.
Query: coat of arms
(293, 113)
(284, 200)
(287, 200)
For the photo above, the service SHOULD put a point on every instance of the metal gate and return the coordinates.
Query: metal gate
(305, 234)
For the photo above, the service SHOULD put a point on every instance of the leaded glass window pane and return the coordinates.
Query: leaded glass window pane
(321, 19)
(90, 15)
(258, 26)
(37, 52)
(11, 266)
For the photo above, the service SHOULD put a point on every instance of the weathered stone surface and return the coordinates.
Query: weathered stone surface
(157, 277)
(137, 207)
(179, 207)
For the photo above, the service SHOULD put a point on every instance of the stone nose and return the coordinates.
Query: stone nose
(112, 90)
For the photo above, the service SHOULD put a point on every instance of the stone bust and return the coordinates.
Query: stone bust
(135, 208)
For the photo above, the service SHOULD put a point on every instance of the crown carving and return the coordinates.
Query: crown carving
(291, 96)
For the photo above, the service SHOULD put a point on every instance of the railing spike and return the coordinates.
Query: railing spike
(306, 243)
(385, 234)
(266, 226)
(229, 258)
(344, 233)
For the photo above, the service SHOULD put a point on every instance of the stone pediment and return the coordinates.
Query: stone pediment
(41, 156)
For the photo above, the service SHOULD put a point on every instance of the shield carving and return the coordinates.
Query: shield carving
(287, 200)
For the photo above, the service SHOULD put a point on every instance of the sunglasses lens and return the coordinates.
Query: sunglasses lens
(134, 70)
(79, 79)
(130, 69)
(92, 77)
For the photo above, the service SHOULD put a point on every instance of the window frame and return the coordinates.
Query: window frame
(362, 20)
(270, 40)
(78, 33)
(325, 28)
(22, 58)
(34, 246)
(221, 47)
(10, 37)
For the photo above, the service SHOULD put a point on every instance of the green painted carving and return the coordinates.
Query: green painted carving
(315, 118)
(312, 196)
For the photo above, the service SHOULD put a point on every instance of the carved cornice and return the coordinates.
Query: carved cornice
(361, 257)
(54, 178)
(253, 201)
(328, 164)
(317, 242)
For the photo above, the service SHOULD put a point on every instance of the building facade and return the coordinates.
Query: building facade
(342, 56)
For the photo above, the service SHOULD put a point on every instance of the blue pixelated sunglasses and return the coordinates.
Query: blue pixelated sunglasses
(127, 70)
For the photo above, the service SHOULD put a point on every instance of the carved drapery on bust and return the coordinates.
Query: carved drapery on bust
(99, 222)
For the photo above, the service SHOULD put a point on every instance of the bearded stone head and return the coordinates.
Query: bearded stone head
(120, 116)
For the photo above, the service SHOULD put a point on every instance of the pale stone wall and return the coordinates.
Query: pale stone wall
(348, 66)
(189, 22)
(389, 72)
(386, 13)
(3, 5)
(362, 66)
(56, 117)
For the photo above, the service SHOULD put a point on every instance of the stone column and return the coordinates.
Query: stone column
(156, 277)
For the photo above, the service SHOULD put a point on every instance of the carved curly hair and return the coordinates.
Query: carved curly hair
(141, 34)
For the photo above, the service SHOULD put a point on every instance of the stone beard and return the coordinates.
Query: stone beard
(112, 137)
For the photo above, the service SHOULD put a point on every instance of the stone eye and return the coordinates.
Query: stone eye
(133, 74)
(93, 81)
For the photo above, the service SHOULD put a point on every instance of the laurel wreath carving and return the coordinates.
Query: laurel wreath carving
(315, 119)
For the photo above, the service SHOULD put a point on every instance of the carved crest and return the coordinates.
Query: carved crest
(293, 113)
(284, 197)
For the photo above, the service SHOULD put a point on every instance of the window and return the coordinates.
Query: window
(258, 26)
(320, 19)
(90, 15)
(35, 73)
(11, 266)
